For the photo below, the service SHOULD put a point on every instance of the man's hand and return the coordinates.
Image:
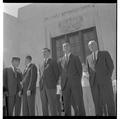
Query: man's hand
(21, 83)
(18, 70)
(20, 93)
(28, 92)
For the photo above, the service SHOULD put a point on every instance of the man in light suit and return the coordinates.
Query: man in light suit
(71, 72)
(12, 77)
(100, 67)
(48, 83)
(29, 87)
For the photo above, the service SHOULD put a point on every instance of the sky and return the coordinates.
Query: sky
(12, 8)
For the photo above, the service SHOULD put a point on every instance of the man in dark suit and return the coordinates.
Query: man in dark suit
(5, 93)
(100, 67)
(29, 87)
(11, 82)
(71, 72)
(48, 83)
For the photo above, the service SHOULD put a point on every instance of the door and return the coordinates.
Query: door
(57, 42)
(88, 35)
(76, 42)
(79, 43)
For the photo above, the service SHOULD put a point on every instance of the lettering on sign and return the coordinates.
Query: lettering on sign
(71, 24)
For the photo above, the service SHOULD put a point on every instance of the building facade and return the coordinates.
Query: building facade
(49, 25)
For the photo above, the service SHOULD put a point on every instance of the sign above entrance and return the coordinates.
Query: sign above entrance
(71, 21)
(71, 24)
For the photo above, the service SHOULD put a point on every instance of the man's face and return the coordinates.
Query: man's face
(93, 46)
(45, 53)
(66, 47)
(16, 63)
(26, 61)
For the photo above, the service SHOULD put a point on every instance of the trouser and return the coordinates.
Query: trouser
(115, 99)
(74, 90)
(96, 96)
(103, 99)
(5, 106)
(14, 102)
(107, 99)
(48, 97)
(28, 104)
(73, 105)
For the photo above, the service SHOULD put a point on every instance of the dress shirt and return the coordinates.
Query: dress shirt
(96, 53)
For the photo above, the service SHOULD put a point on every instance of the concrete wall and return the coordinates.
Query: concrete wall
(11, 38)
(107, 18)
(21, 39)
(32, 41)
(28, 33)
(104, 18)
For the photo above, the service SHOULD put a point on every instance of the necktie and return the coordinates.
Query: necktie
(25, 69)
(45, 63)
(94, 57)
(67, 59)
(15, 71)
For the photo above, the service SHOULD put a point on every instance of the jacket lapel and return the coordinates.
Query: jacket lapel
(98, 55)
(13, 72)
(69, 60)
(63, 61)
(47, 64)
(25, 71)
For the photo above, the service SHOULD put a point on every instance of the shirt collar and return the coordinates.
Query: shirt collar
(28, 65)
(47, 59)
(12, 67)
(68, 55)
(95, 52)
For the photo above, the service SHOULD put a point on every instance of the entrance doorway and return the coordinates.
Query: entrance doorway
(79, 43)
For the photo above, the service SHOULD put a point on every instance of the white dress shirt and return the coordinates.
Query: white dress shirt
(68, 55)
(96, 54)
(45, 60)
(12, 68)
(27, 66)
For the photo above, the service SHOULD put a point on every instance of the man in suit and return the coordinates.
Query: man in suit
(29, 87)
(100, 67)
(48, 83)
(5, 93)
(11, 82)
(71, 72)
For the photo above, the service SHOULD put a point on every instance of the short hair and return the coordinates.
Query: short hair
(15, 59)
(92, 41)
(67, 42)
(46, 49)
(29, 57)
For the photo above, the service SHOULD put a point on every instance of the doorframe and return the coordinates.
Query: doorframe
(53, 41)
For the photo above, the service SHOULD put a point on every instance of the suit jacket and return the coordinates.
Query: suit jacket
(5, 84)
(49, 75)
(11, 81)
(72, 72)
(30, 78)
(101, 71)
